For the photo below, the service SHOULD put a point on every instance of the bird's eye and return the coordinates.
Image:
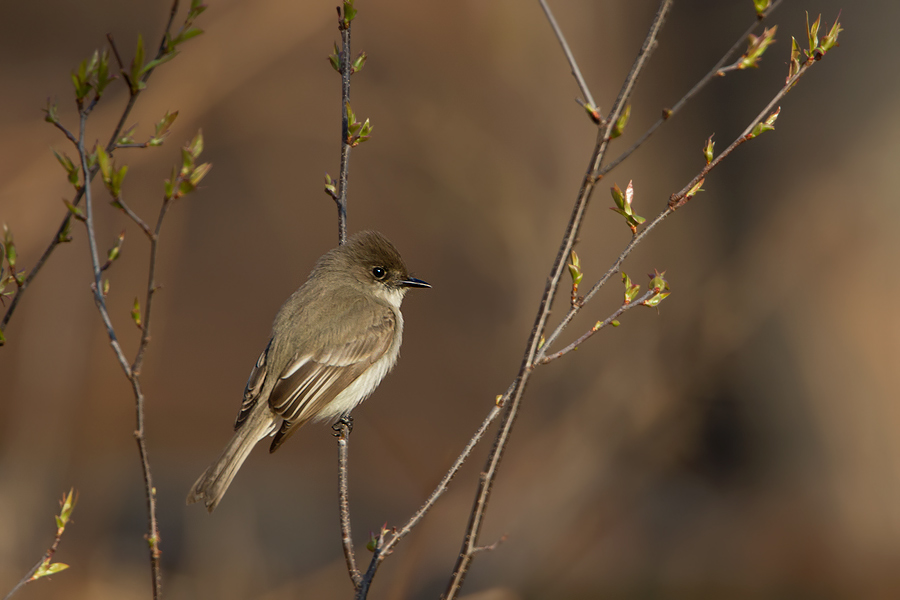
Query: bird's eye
(379, 273)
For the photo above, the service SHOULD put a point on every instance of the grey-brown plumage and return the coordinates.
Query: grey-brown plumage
(332, 343)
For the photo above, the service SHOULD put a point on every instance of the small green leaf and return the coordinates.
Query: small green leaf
(66, 506)
(137, 66)
(812, 32)
(199, 173)
(614, 323)
(756, 48)
(658, 281)
(656, 299)
(830, 39)
(184, 36)
(708, 149)
(196, 145)
(136, 313)
(631, 289)
(695, 189)
(48, 568)
(66, 234)
(330, 187)
(10, 247)
(50, 112)
(618, 196)
(335, 58)
(359, 63)
(621, 122)
(127, 136)
(158, 61)
(575, 270)
(76, 212)
(766, 125)
(761, 6)
(105, 165)
(349, 13)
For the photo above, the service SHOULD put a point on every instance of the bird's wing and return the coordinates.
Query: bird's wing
(310, 381)
(254, 385)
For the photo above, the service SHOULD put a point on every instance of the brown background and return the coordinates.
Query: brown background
(739, 443)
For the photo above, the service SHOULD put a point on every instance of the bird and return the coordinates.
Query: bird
(332, 343)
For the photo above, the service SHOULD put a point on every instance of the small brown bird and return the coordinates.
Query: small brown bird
(332, 343)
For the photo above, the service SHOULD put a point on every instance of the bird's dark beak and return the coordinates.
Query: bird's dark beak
(413, 282)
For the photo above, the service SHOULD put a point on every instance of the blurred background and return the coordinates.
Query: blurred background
(740, 442)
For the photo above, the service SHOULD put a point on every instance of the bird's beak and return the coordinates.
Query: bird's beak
(413, 282)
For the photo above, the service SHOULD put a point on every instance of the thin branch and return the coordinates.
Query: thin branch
(704, 81)
(110, 148)
(576, 72)
(542, 360)
(384, 549)
(470, 541)
(97, 286)
(44, 566)
(346, 65)
(342, 432)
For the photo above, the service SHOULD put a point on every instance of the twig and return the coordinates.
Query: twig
(97, 286)
(342, 432)
(576, 72)
(542, 360)
(704, 81)
(470, 540)
(44, 566)
(384, 549)
(110, 148)
(346, 64)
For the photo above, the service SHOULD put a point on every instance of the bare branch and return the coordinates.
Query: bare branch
(341, 200)
(342, 432)
(576, 72)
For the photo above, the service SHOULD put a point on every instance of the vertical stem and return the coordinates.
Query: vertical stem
(344, 494)
(345, 132)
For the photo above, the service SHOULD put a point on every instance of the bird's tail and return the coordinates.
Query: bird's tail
(211, 486)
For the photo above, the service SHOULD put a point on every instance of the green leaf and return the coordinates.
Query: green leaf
(830, 39)
(766, 125)
(158, 61)
(137, 65)
(48, 568)
(105, 165)
(618, 196)
(127, 136)
(335, 58)
(656, 299)
(136, 313)
(708, 149)
(619, 127)
(349, 13)
(10, 247)
(196, 145)
(359, 63)
(761, 6)
(199, 173)
(812, 32)
(186, 35)
(76, 212)
(756, 48)
(631, 289)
